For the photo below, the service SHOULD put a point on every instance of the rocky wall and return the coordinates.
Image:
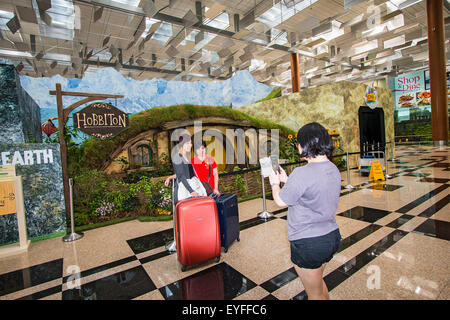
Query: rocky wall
(334, 105)
(39, 164)
(19, 114)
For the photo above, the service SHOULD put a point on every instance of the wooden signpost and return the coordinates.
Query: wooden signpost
(63, 114)
(11, 201)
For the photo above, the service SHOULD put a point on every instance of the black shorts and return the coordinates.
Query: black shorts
(311, 253)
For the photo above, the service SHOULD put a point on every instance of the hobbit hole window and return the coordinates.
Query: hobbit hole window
(143, 156)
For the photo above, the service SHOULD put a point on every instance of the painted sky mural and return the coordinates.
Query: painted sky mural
(239, 90)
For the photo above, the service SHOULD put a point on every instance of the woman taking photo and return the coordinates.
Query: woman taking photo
(311, 193)
(188, 184)
(205, 168)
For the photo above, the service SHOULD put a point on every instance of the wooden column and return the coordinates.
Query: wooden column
(295, 72)
(438, 81)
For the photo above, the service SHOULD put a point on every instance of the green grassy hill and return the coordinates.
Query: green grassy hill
(96, 152)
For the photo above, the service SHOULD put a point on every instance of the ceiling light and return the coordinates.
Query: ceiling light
(256, 65)
(369, 45)
(277, 84)
(312, 70)
(163, 32)
(397, 41)
(350, 3)
(395, 23)
(15, 53)
(216, 9)
(407, 4)
(416, 41)
(280, 13)
(220, 22)
(58, 57)
(277, 37)
(375, 31)
(302, 52)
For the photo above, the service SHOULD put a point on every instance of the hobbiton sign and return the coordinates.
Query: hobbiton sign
(101, 120)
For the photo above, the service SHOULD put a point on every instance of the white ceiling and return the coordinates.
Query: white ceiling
(336, 39)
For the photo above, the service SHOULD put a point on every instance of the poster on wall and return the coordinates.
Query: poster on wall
(7, 198)
(411, 99)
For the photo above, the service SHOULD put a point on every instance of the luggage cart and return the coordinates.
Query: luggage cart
(365, 161)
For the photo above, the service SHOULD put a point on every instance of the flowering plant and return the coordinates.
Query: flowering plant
(105, 209)
(288, 149)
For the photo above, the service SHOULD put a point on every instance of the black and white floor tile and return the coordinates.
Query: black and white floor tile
(408, 240)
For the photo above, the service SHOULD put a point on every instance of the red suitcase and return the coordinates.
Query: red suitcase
(197, 231)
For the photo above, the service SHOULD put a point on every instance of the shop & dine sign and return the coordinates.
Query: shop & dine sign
(101, 120)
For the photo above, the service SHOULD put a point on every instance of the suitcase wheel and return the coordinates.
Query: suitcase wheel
(226, 250)
(183, 268)
(238, 239)
(218, 258)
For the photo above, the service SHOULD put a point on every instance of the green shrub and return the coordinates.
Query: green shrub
(131, 204)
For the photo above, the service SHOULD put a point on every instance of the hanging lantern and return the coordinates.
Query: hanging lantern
(48, 128)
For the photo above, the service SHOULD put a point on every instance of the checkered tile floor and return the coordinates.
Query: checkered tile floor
(398, 229)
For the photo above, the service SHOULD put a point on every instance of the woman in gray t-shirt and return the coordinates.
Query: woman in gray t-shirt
(312, 194)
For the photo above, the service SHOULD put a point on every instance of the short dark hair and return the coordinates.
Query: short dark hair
(198, 144)
(314, 140)
(183, 139)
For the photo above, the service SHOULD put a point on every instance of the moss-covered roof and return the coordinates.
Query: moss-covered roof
(96, 152)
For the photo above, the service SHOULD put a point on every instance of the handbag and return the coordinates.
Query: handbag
(206, 184)
(195, 184)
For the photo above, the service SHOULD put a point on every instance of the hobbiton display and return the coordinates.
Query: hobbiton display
(123, 177)
(147, 142)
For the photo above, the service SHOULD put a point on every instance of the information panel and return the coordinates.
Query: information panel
(7, 198)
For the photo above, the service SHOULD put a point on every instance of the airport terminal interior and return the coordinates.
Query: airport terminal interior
(84, 214)
(398, 230)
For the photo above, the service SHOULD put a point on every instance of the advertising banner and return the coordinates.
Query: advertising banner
(411, 100)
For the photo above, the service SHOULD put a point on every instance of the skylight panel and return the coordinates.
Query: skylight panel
(5, 16)
(256, 65)
(62, 13)
(14, 53)
(208, 37)
(134, 3)
(220, 22)
(280, 13)
(190, 37)
(163, 33)
(278, 37)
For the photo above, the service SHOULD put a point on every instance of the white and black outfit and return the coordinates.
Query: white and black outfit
(187, 180)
